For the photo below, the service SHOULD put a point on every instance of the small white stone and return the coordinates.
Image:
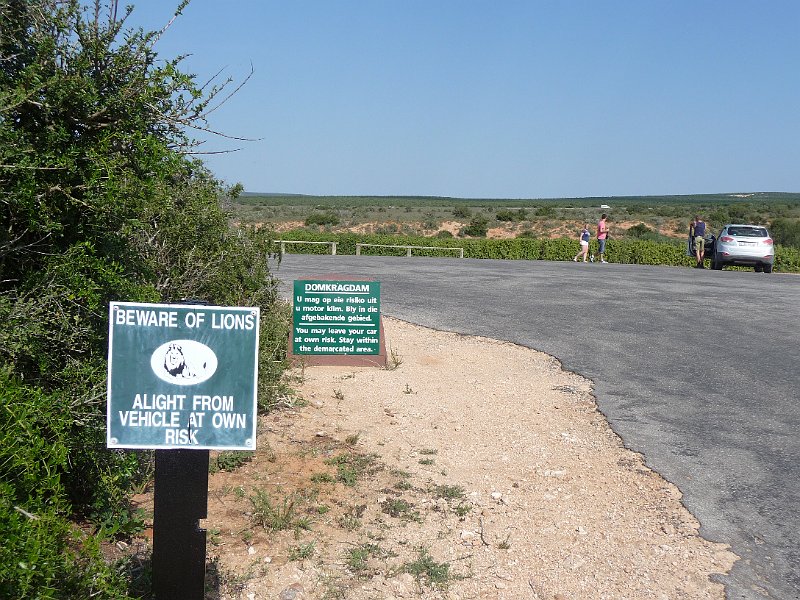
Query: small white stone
(549, 473)
(496, 495)
(251, 550)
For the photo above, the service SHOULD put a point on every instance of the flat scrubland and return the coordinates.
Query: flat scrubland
(655, 218)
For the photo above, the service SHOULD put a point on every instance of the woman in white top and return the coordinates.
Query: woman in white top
(584, 239)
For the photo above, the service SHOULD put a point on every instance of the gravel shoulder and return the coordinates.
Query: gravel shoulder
(487, 472)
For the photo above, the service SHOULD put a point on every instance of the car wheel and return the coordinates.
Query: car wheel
(767, 268)
(758, 268)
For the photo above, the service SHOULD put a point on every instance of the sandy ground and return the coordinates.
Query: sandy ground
(482, 470)
(675, 228)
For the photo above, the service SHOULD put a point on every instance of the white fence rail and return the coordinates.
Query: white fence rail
(408, 249)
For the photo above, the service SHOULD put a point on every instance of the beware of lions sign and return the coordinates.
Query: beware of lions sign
(182, 376)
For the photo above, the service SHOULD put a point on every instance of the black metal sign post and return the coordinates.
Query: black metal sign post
(179, 545)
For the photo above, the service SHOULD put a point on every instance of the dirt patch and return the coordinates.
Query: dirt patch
(474, 469)
(674, 228)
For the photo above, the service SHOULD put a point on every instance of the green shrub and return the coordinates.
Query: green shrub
(322, 219)
(478, 227)
(38, 555)
(33, 446)
(786, 232)
(511, 215)
(639, 230)
(462, 212)
(631, 251)
(546, 211)
(100, 203)
(787, 259)
(229, 460)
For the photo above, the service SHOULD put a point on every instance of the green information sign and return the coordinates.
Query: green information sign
(182, 376)
(336, 317)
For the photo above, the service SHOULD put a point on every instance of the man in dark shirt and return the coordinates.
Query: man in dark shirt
(699, 233)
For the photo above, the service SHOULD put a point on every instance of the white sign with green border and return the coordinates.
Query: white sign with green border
(182, 376)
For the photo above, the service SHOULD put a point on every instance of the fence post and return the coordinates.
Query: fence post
(283, 248)
(333, 249)
(358, 249)
(408, 251)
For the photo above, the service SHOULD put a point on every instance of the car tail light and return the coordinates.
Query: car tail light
(726, 238)
(768, 241)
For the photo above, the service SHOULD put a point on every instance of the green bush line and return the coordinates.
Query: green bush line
(636, 252)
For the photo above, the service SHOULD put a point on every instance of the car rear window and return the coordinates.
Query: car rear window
(748, 231)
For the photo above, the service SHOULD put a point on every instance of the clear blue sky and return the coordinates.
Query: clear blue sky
(499, 98)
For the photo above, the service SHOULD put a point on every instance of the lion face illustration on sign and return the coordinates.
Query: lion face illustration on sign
(175, 362)
(184, 362)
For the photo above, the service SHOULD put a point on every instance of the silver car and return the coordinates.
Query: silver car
(744, 245)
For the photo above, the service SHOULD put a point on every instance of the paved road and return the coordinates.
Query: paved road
(710, 396)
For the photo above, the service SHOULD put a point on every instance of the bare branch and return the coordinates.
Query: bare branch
(213, 152)
(229, 96)
(178, 12)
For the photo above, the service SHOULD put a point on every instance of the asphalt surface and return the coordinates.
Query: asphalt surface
(695, 369)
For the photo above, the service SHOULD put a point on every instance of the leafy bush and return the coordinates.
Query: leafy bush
(229, 460)
(38, 556)
(462, 212)
(787, 259)
(478, 227)
(639, 230)
(786, 232)
(322, 219)
(99, 201)
(546, 211)
(511, 215)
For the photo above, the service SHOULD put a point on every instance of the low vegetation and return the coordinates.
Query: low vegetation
(644, 230)
(428, 572)
(623, 250)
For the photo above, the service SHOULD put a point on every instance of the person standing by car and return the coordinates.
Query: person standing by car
(584, 239)
(698, 230)
(690, 250)
(602, 235)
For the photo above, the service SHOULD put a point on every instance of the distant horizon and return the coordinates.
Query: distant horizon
(733, 195)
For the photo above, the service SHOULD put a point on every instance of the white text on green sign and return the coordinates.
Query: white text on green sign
(182, 376)
(336, 317)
